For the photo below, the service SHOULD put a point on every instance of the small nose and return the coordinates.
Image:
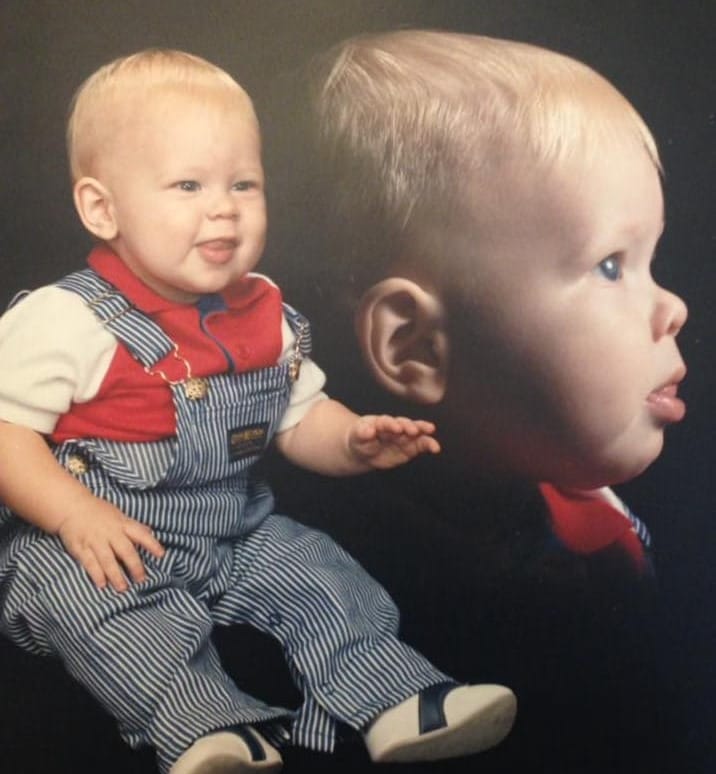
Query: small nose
(670, 314)
(224, 205)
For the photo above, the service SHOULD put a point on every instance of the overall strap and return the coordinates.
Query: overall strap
(301, 329)
(142, 336)
(302, 344)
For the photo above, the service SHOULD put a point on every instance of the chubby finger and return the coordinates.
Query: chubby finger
(111, 568)
(366, 429)
(424, 427)
(143, 536)
(93, 568)
(428, 444)
(129, 558)
(403, 439)
(415, 427)
(116, 578)
(387, 425)
(401, 426)
(412, 446)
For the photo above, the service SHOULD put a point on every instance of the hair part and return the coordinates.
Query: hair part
(405, 121)
(109, 95)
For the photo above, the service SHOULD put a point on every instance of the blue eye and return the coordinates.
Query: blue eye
(244, 185)
(190, 186)
(610, 268)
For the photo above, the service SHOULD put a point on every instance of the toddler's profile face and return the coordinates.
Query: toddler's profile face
(573, 368)
(187, 189)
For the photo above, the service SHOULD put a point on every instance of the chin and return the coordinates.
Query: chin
(626, 470)
(632, 453)
(608, 471)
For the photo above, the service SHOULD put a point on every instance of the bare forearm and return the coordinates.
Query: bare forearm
(320, 441)
(33, 484)
(333, 440)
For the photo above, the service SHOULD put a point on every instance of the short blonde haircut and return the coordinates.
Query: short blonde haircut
(406, 120)
(108, 97)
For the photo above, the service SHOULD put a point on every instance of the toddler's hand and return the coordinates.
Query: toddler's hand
(106, 542)
(386, 442)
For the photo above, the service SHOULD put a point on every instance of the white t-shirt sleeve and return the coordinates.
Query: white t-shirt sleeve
(307, 389)
(53, 352)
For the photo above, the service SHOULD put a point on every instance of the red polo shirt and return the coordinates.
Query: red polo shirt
(132, 405)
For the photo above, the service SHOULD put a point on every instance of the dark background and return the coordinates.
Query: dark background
(660, 54)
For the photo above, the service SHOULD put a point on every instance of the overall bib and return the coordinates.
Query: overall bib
(146, 654)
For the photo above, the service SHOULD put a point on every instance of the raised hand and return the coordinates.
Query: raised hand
(385, 442)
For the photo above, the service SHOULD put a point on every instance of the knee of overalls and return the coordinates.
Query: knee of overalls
(51, 605)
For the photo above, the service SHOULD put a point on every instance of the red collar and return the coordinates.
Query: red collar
(112, 268)
(586, 523)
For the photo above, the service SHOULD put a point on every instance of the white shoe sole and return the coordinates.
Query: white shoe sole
(226, 753)
(477, 717)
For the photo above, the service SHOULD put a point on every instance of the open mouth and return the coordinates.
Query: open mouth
(217, 250)
(665, 403)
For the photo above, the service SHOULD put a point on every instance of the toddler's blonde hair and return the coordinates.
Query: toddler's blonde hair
(407, 120)
(109, 96)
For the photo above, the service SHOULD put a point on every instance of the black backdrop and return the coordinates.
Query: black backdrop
(660, 54)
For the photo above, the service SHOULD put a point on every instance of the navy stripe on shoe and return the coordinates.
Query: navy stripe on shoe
(431, 713)
(256, 749)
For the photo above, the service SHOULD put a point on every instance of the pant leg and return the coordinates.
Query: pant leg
(337, 625)
(145, 654)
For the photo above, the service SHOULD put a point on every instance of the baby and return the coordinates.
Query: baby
(489, 212)
(492, 210)
(136, 396)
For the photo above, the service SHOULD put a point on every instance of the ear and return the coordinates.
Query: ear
(94, 205)
(401, 330)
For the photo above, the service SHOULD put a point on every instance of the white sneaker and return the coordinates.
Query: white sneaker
(240, 750)
(442, 721)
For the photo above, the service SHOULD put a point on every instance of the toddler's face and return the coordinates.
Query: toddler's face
(571, 367)
(187, 188)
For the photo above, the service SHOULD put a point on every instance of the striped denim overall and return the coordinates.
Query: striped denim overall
(146, 653)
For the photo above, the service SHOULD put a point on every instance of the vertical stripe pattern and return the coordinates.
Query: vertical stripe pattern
(146, 654)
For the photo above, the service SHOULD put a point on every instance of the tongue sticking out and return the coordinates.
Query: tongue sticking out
(665, 404)
(217, 250)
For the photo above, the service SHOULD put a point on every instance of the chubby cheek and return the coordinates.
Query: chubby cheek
(255, 220)
(543, 428)
(259, 238)
(585, 400)
(253, 233)
(590, 385)
(604, 427)
(558, 397)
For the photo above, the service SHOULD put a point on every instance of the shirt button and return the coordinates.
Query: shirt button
(275, 619)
